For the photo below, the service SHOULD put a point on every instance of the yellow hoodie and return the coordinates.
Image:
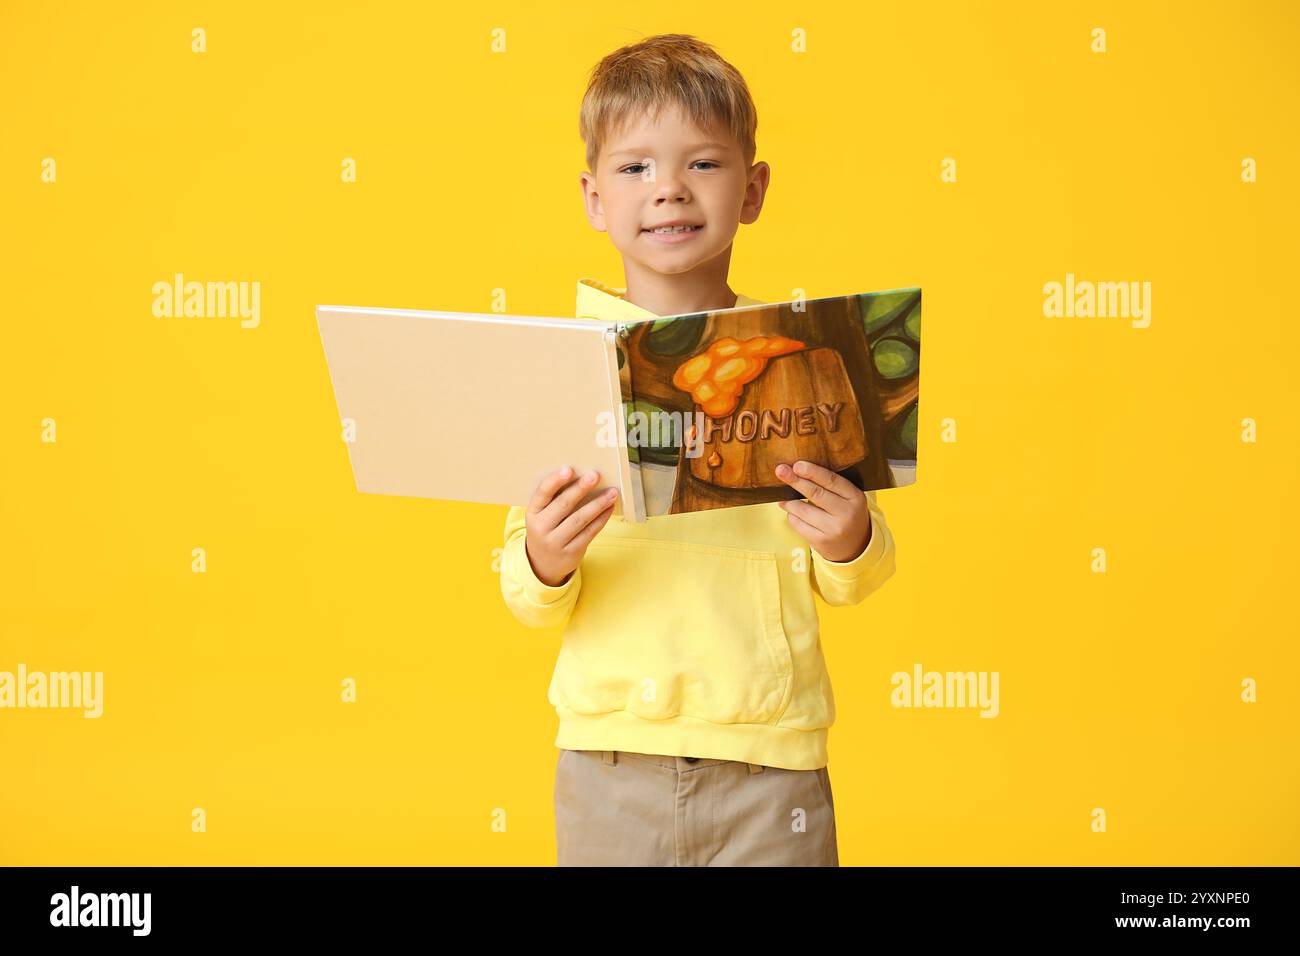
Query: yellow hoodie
(693, 634)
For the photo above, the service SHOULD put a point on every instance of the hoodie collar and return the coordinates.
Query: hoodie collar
(596, 300)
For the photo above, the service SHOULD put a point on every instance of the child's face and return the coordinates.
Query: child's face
(652, 172)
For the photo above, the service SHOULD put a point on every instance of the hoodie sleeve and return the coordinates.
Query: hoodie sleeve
(849, 582)
(532, 602)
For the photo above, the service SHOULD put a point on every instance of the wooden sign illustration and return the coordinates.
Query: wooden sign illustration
(832, 383)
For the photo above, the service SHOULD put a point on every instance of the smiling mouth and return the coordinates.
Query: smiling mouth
(671, 233)
(670, 230)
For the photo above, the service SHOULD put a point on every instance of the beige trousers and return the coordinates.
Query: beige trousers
(616, 808)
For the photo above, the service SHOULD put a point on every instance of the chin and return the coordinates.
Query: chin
(681, 260)
(675, 267)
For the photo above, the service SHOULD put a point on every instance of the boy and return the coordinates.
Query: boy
(691, 689)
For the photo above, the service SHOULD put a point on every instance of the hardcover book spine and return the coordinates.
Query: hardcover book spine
(631, 495)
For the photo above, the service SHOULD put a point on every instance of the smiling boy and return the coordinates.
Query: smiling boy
(691, 689)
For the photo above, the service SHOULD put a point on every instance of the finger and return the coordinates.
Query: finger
(583, 537)
(547, 487)
(811, 534)
(818, 494)
(563, 504)
(569, 528)
(830, 480)
(810, 514)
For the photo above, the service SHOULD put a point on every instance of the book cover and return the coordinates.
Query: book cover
(713, 401)
(472, 407)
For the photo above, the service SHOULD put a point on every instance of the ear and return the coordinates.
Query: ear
(760, 176)
(591, 201)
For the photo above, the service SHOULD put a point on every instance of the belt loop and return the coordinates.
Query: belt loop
(755, 768)
(609, 757)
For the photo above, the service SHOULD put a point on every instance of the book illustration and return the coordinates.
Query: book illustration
(735, 392)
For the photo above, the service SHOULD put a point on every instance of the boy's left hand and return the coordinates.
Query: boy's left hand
(835, 519)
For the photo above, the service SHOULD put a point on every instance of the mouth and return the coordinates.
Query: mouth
(674, 233)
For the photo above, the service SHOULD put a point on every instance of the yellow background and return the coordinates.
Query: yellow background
(222, 690)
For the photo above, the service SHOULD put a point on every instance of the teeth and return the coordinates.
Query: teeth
(668, 230)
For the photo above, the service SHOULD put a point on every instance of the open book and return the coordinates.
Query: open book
(682, 413)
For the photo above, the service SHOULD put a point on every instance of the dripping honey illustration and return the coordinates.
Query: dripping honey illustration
(766, 399)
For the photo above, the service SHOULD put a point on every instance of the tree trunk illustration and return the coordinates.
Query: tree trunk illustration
(844, 374)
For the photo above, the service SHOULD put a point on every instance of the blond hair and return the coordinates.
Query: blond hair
(669, 69)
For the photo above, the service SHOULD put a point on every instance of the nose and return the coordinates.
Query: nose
(670, 188)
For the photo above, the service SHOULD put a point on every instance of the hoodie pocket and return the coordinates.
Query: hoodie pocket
(670, 628)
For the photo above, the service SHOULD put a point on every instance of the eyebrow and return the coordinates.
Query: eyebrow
(643, 150)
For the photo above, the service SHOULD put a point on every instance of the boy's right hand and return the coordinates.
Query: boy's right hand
(557, 530)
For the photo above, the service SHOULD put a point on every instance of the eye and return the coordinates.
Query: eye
(635, 169)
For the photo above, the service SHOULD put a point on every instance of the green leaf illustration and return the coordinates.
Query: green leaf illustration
(894, 358)
(676, 335)
(657, 453)
(900, 443)
(878, 311)
(912, 324)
